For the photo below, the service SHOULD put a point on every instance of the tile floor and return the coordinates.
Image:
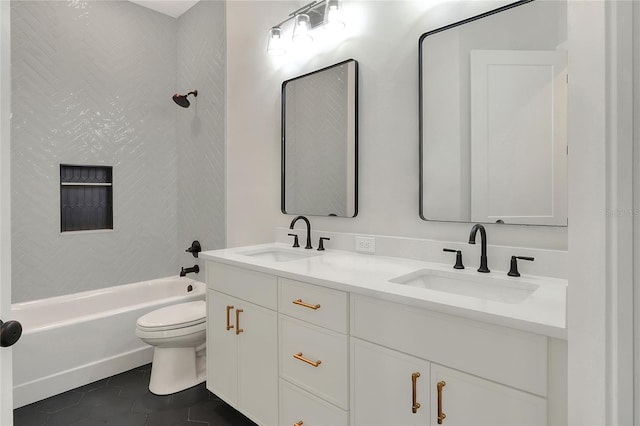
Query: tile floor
(125, 400)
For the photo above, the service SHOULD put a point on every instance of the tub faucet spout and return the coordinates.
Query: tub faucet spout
(185, 271)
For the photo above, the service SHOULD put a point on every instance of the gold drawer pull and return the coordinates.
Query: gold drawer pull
(229, 326)
(298, 423)
(306, 305)
(308, 361)
(414, 381)
(441, 415)
(238, 329)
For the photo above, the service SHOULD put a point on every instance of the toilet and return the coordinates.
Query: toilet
(178, 333)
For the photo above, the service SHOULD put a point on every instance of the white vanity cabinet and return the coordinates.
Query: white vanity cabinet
(242, 336)
(499, 375)
(289, 352)
(314, 355)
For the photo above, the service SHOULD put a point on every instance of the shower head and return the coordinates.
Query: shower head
(182, 99)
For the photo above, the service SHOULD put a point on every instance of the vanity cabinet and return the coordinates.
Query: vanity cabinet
(288, 352)
(242, 336)
(507, 384)
(314, 355)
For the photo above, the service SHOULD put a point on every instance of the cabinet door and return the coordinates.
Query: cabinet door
(299, 406)
(382, 387)
(222, 347)
(258, 364)
(470, 400)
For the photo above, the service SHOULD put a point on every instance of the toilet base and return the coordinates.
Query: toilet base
(176, 369)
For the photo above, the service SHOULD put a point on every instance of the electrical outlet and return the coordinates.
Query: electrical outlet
(365, 244)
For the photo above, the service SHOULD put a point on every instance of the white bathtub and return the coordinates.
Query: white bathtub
(69, 341)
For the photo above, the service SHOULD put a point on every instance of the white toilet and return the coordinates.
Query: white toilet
(178, 333)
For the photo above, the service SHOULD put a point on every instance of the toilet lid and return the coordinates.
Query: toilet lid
(175, 316)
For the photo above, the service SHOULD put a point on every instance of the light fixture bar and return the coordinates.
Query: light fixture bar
(303, 9)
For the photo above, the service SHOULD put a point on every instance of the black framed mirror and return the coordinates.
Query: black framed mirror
(493, 125)
(320, 142)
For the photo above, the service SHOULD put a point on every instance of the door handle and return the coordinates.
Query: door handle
(10, 333)
(229, 326)
(238, 329)
(441, 414)
(414, 403)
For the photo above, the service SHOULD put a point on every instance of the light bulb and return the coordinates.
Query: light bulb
(275, 47)
(301, 29)
(333, 16)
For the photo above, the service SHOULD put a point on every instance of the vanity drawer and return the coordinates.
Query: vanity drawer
(298, 405)
(512, 357)
(319, 305)
(245, 284)
(328, 379)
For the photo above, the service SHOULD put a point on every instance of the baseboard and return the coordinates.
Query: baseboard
(36, 390)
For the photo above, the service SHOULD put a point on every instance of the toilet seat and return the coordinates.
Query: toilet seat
(175, 317)
(150, 334)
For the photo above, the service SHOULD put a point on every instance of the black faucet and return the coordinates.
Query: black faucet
(293, 222)
(185, 271)
(483, 254)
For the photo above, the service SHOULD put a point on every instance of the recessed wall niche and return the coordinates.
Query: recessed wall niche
(86, 197)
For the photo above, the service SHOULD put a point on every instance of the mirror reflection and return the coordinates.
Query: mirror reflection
(493, 117)
(319, 142)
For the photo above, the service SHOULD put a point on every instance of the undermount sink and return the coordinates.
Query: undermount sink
(496, 288)
(278, 254)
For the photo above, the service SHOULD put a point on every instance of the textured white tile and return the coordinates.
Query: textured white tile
(92, 84)
(201, 131)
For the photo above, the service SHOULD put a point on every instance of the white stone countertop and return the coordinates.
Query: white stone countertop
(543, 312)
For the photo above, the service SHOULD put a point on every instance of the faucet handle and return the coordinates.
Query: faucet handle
(513, 271)
(458, 253)
(321, 243)
(295, 240)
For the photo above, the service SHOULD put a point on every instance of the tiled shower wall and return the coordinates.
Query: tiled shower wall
(201, 131)
(92, 84)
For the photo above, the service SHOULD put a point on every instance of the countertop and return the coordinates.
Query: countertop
(543, 312)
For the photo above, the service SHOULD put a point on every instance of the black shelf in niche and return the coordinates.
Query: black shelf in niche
(86, 197)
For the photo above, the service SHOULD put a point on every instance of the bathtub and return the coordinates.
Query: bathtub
(69, 341)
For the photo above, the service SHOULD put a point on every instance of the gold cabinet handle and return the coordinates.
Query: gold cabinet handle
(308, 361)
(441, 415)
(415, 404)
(298, 423)
(229, 326)
(306, 305)
(238, 329)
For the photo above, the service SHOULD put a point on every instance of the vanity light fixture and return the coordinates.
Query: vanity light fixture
(325, 13)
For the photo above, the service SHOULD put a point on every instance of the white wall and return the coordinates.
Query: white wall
(587, 203)
(6, 376)
(383, 37)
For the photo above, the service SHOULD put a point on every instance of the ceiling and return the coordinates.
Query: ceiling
(173, 8)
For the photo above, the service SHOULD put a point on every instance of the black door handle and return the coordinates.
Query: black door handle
(10, 333)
